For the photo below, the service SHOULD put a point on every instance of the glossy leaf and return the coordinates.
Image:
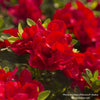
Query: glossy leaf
(86, 78)
(30, 22)
(74, 41)
(43, 95)
(20, 30)
(6, 69)
(1, 22)
(96, 74)
(94, 4)
(98, 82)
(12, 39)
(89, 73)
(46, 22)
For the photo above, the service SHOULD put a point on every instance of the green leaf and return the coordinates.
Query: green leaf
(95, 87)
(94, 4)
(72, 35)
(75, 50)
(97, 99)
(92, 79)
(14, 1)
(87, 87)
(96, 13)
(6, 69)
(97, 90)
(96, 74)
(89, 73)
(43, 95)
(46, 22)
(98, 82)
(86, 78)
(63, 90)
(1, 22)
(74, 41)
(20, 30)
(12, 39)
(1, 39)
(74, 5)
(30, 22)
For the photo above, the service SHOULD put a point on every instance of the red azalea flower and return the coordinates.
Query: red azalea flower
(21, 46)
(38, 2)
(78, 21)
(40, 86)
(31, 90)
(5, 43)
(50, 49)
(57, 25)
(29, 32)
(85, 31)
(51, 52)
(24, 45)
(44, 45)
(16, 90)
(25, 77)
(75, 66)
(13, 32)
(81, 83)
(3, 75)
(89, 0)
(11, 89)
(2, 90)
(50, 60)
(72, 69)
(89, 60)
(25, 9)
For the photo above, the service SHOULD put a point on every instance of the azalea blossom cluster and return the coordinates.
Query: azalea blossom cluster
(22, 88)
(81, 21)
(31, 10)
(24, 9)
(50, 48)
